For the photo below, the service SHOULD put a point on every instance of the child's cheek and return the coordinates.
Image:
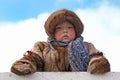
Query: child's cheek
(72, 33)
(58, 35)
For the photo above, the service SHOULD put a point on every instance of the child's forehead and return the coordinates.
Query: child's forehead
(65, 23)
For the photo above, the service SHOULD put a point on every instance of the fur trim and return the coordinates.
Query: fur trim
(60, 16)
(98, 65)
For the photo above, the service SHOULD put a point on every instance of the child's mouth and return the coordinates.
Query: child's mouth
(65, 36)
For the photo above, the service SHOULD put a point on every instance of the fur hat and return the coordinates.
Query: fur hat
(60, 16)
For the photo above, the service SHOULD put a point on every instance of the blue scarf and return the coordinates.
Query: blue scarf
(77, 53)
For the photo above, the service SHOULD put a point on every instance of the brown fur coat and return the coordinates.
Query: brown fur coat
(46, 57)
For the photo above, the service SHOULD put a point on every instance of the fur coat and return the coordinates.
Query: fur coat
(47, 58)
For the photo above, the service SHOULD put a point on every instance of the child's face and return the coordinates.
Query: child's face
(65, 32)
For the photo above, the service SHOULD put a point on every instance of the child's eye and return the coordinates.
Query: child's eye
(58, 28)
(70, 27)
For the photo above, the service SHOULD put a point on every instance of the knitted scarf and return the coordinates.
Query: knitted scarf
(77, 53)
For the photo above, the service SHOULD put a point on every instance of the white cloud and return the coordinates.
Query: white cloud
(18, 37)
(101, 28)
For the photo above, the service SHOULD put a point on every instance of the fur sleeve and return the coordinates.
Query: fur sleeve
(30, 63)
(98, 64)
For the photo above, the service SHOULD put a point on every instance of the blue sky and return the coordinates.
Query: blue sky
(22, 24)
(15, 10)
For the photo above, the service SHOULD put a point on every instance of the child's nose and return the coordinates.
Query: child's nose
(65, 29)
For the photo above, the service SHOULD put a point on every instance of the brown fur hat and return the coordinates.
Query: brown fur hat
(60, 16)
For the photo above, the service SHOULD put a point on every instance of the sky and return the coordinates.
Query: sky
(22, 24)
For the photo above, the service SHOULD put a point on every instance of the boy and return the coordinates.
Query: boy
(65, 49)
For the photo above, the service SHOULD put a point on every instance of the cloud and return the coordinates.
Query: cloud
(104, 17)
(18, 37)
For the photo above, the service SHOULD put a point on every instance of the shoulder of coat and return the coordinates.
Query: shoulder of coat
(41, 44)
